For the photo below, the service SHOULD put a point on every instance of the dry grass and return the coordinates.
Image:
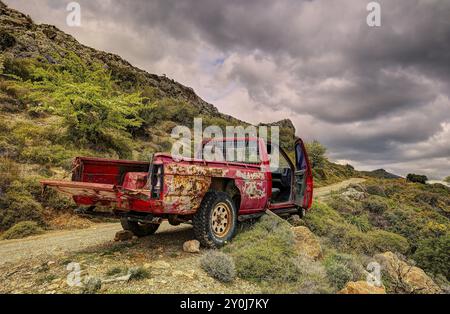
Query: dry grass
(69, 221)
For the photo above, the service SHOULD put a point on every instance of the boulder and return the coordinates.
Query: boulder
(306, 243)
(354, 194)
(405, 278)
(123, 235)
(192, 246)
(361, 287)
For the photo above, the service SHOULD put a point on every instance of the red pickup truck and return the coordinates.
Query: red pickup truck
(212, 195)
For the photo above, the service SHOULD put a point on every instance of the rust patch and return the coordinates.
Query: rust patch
(184, 193)
(254, 189)
(194, 170)
(250, 175)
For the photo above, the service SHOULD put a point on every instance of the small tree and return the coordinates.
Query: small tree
(316, 153)
(447, 179)
(95, 112)
(417, 178)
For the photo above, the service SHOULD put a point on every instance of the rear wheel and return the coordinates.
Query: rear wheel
(216, 219)
(137, 228)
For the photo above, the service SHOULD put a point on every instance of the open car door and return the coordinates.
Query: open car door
(303, 182)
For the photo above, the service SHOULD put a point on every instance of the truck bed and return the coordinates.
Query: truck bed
(96, 180)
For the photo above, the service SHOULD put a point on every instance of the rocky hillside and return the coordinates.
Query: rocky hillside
(22, 38)
(60, 99)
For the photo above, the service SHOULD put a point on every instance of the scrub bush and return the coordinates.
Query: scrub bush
(22, 230)
(138, 273)
(375, 204)
(17, 206)
(265, 251)
(433, 255)
(219, 266)
(417, 178)
(375, 190)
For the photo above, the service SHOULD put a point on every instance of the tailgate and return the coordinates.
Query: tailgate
(84, 192)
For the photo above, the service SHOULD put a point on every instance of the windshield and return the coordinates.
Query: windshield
(241, 151)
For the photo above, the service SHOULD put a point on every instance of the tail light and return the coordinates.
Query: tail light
(156, 181)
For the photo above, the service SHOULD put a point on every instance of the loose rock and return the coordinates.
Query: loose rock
(361, 287)
(404, 278)
(354, 194)
(306, 243)
(296, 221)
(191, 246)
(123, 235)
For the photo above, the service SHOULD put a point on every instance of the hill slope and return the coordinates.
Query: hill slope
(60, 99)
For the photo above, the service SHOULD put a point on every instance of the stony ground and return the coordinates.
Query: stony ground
(39, 264)
(170, 269)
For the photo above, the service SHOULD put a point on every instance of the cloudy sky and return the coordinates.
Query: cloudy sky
(377, 97)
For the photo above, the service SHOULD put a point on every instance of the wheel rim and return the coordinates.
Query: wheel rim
(221, 219)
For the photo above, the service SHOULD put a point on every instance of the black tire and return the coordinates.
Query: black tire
(137, 228)
(204, 223)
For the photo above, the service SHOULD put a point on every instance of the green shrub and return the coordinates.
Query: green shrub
(433, 255)
(406, 222)
(45, 154)
(431, 199)
(115, 271)
(9, 172)
(338, 274)
(22, 230)
(6, 40)
(326, 222)
(312, 277)
(375, 204)
(342, 268)
(360, 221)
(344, 204)
(375, 190)
(316, 154)
(17, 206)
(219, 266)
(18, 67)
(382, 241)
(417, 178)
(447, 179)
(265, 252)
(91, 285)
(138, 273)
(168, 109)
(95, 113)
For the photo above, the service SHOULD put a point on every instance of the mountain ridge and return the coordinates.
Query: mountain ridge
(33, 40)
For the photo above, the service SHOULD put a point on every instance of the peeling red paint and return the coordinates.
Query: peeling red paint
(179, 189)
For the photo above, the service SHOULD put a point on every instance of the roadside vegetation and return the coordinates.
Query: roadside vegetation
(64, 103)
(22, 230)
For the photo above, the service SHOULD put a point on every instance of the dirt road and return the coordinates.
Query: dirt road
(58, 242)
(322, 192)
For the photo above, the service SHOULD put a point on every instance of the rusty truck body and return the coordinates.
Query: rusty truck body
(212, 195)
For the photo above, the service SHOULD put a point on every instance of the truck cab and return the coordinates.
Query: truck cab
(213, 194)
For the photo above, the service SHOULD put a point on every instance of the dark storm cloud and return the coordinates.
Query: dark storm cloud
(375, 96)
